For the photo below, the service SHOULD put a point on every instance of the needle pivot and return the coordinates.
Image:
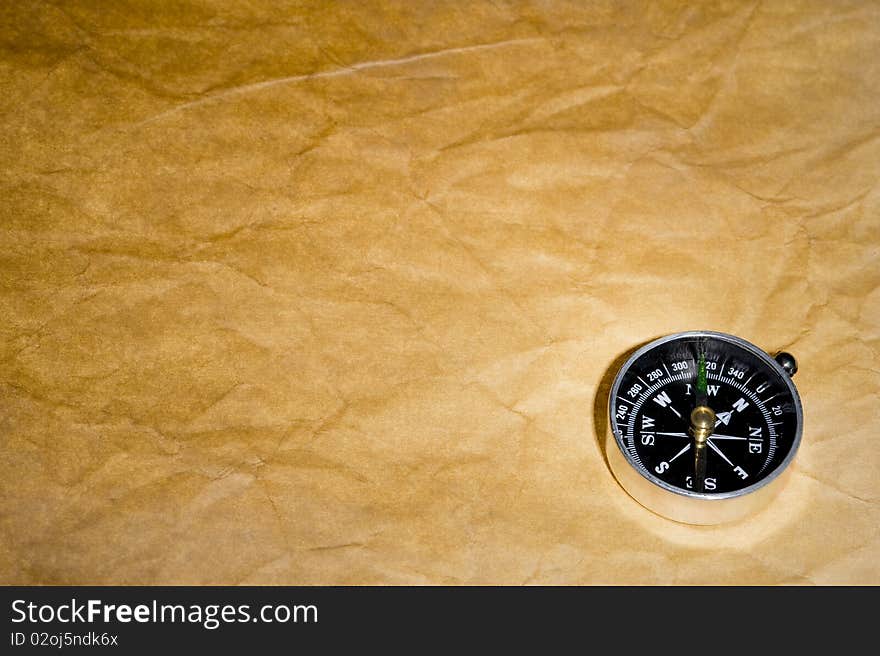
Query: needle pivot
(702, 423)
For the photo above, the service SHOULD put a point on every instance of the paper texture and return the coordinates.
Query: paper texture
(306, 293)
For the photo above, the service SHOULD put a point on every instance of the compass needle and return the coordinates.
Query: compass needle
(702, 422)
(701, 385)
(702, 418)
(667, 401)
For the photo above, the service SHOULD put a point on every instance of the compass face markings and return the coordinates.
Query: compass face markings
(756, 439)
(663, 400)
(752, 436)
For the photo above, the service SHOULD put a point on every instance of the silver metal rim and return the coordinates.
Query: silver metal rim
(751, 348)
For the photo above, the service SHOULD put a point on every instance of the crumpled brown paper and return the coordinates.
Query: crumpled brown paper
(304, 293)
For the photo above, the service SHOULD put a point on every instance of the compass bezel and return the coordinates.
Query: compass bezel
(736, 341)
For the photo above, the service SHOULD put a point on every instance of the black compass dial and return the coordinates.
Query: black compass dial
(753, 406)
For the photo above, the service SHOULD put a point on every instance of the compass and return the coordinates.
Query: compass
(704, 426)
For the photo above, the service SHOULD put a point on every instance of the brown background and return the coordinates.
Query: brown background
(300, 293)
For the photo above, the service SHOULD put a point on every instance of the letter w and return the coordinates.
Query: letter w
(663, 399)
